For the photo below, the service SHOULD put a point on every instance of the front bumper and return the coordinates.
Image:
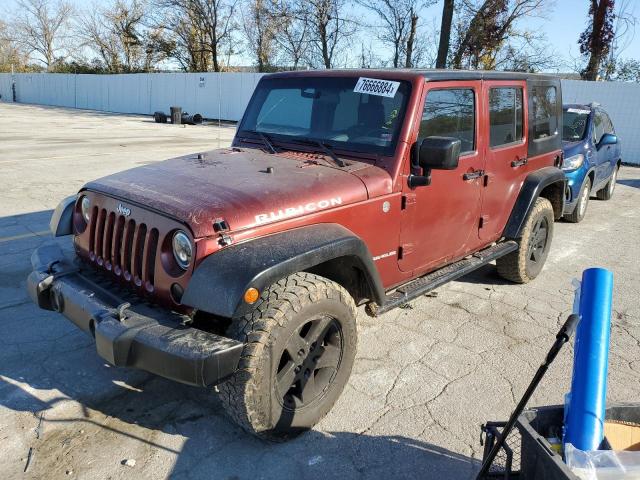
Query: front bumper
(139, 336)
(575, 179)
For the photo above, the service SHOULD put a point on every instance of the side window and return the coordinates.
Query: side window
(450, 113)
(505, 115)
(598, 127)
(544, 115)
(608, 124)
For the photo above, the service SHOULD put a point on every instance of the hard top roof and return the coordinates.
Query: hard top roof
(430, 74)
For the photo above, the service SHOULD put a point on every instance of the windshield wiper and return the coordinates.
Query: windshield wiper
(265, 139)
(323, 146)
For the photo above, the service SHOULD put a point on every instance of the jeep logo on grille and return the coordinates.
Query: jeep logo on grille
(122, 210)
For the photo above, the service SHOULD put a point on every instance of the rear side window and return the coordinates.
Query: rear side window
(450, 113)
(544, 115)
(505, 115)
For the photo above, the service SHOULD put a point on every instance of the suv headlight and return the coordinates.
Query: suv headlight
(182, 249)
(573, 162)
(85, 208)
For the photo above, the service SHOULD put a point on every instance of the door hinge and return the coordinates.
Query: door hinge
(483, 221)
(408, 200)
(404, 250)
(485, 181)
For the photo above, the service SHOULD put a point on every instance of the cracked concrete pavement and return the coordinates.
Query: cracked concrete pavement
(425, 376)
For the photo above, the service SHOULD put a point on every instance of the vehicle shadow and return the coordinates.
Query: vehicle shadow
(629, 182)
(485, 275)
(49, 370)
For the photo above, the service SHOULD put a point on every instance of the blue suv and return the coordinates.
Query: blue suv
(592, 157)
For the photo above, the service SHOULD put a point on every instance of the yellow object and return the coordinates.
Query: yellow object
(251, 295)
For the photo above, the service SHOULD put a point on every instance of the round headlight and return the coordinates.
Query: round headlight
(182, 249)
(85, 208)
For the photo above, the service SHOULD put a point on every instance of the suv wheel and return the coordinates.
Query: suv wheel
(607, 192)
(581, 207)
(526, 263)
(300, 344)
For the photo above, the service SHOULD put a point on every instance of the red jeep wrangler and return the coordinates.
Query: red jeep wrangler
(243, 267)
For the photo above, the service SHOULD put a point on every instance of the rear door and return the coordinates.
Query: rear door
(506, 152)
(440, 220)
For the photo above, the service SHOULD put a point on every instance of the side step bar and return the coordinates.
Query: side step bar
(433, 280)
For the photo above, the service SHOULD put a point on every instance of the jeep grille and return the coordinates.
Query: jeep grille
(123, 247)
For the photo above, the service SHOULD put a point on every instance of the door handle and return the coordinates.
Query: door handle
(472, 175)
(519, 162)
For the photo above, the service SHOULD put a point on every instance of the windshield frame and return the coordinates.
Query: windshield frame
(357, 149)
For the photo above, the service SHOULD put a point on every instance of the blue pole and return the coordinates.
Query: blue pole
(584, 427)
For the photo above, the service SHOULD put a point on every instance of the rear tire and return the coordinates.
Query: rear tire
(607, 192)
(300, 344)
(583, 201)
(525, 264)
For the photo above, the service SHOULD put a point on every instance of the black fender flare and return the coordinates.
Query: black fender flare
(532, 187)
(220, 280)
(61, 222)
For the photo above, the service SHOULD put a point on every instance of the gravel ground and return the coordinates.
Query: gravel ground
(425, 377)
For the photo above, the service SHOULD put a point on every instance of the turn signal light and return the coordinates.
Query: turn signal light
(251, 295)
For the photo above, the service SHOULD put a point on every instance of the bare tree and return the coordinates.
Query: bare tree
(41, 27)
(596, 40)
(207, 26)
(12, 54)
(117, 33)
(399, 26)
(329, 28)
(292, 30)
(259, 28)
(445, 33)
(484, 29)
(623, 33)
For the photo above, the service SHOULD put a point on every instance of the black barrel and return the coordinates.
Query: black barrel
(176, 115)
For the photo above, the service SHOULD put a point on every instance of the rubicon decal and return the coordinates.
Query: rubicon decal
(297, 210)
(384, 255)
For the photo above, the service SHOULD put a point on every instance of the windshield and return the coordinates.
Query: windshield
(574, 123)
(335, 111)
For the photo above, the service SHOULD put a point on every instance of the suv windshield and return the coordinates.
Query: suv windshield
(335, 111)
(574, 123)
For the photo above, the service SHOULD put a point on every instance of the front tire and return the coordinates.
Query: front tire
(607, 192)
(581, 207)
(525, 264)
(300, 344)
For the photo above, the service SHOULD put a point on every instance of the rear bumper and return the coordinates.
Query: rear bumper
(138, 336)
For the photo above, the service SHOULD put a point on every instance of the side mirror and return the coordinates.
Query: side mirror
(608, 139)
(434, 153)
(439, 153)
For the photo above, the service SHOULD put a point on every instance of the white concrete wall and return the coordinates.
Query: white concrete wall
(621, 100)
(225, 96)
(213, 95)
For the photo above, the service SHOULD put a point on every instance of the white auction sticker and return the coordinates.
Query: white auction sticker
(373, 86)
(578, 110)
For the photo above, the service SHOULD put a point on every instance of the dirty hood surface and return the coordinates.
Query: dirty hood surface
(234, 185)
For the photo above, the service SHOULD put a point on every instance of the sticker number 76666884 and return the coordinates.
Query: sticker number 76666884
(373, 86)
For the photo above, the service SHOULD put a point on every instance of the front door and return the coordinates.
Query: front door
(441, 219)
(506, 153)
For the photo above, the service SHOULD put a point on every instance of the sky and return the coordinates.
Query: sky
(562, 27)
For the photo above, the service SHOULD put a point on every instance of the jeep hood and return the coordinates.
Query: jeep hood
(236, 185)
